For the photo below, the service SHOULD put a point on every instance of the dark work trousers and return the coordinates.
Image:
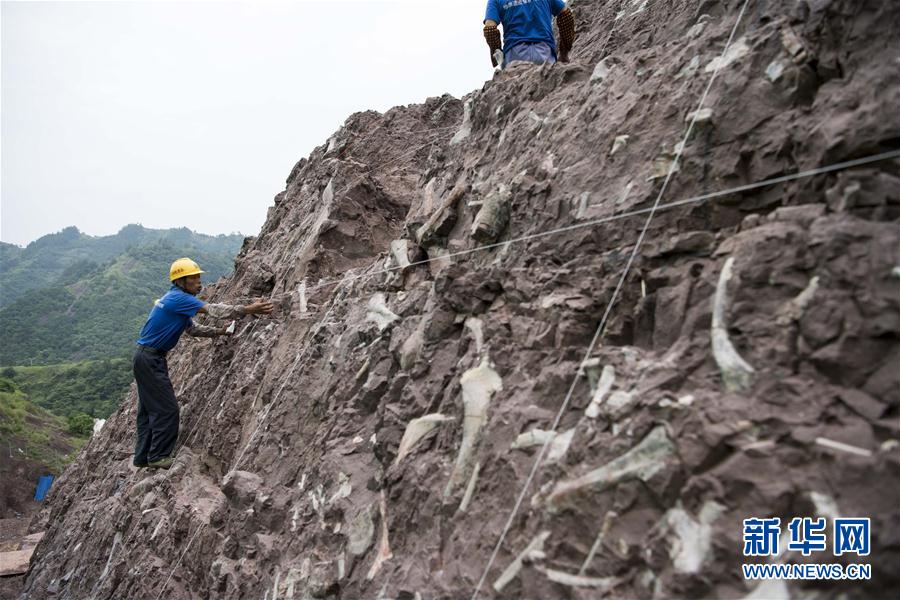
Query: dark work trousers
(157, 415)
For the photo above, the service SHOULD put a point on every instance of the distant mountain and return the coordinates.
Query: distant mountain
(45, 260)
(72, 297)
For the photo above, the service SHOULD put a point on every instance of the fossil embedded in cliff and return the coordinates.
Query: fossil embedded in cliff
(601, 72)
(400, 253)
(572, 580)
(737, 50)
(736, 372)
(645, 460)
(379, 313)
(620, 142)
(559, 442)
(478, 385)
(535, 545)
(384, 548)
(465, 129)
(416, 430)
(607, 379)
(441, 222)
(493, 217)
(691, 539)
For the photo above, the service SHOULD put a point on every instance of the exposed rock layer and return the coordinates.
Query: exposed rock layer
(286, 483)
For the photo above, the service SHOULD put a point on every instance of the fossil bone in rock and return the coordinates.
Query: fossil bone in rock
(478, 385)
(736, 372)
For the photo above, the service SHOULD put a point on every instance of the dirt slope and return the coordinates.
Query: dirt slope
(289, 482)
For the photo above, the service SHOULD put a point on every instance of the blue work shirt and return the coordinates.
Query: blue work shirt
(169, 318)
(525, 20)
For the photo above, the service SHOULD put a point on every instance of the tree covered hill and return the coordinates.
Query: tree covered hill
(69, 252)
(93, 293)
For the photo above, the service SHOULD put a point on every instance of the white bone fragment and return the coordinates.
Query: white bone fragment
(466, 128)
(703, 115)
(475, 327)
(416, 430)
(344, 488)
(579, 580)
(516, 565)
(795, 308)
(117, 539)
(690, 540)
(583, 204)
(842, 447)
(737, 50)
(661, 167)
(400, 252)
(301, 296)
(626, 192)
(620, 142)
(379, 313)
(470, 489)
(825, 505)
(736, 372)
(607, 379)
(559, 442)
(888, 445)
(560, 445)
(535, 437)
(604, 531)
(619, 400)
(895, 272)
(478, 385)
(230, 329)
(601, 72)
(340, 567)
(358, 439)
(643, 461)
(775, 70)
(384, 548)
(686, 400)
(590, 368)
(302, 483)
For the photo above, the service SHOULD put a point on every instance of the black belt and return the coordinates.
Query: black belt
(152, 350)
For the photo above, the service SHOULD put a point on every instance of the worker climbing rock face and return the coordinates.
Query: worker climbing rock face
(172, 315)
(528, 30)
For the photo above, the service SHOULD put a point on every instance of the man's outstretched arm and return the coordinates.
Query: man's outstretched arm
(233, 311)
(227, 311)
(565, 21)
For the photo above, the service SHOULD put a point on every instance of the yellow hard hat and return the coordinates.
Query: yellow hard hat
(182, 268)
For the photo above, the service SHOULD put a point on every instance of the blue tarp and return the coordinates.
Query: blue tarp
(43, 487)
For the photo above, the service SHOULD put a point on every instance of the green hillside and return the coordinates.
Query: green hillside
(30, 434)
(41, 264)
(94, 388)
(94, 310)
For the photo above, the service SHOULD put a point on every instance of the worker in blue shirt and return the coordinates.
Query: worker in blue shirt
(528, 30)
(157, 416)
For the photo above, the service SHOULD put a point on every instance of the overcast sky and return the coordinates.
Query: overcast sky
(173, 114)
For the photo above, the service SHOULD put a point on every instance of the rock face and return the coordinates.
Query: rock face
(286, 483)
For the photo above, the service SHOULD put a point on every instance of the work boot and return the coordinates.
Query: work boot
(140, 465)
(163, 463)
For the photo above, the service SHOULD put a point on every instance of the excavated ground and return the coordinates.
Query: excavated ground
(366, 441)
